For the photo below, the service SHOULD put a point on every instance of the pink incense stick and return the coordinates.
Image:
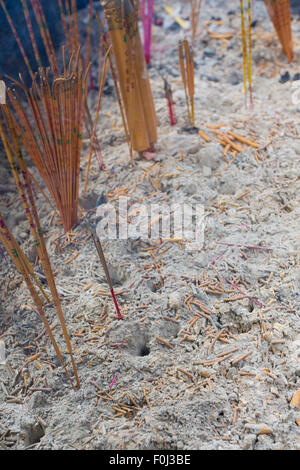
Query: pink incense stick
(147, 19)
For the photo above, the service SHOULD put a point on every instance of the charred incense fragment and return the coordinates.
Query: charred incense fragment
(132, 72)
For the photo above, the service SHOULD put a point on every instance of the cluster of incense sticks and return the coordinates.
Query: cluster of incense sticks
(104, 265)
(132, 74)
(147, 20)
(169, 97)
(280, 14)
(54, 140)
(247, 51)
(186, 60)
(195, 15)
(21, 175)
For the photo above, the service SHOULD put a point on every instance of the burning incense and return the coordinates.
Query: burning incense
(132, 72)
(147, 20)
(280, 14)
(247, 51)
(54, 140)
(186, 60)
(104, 265)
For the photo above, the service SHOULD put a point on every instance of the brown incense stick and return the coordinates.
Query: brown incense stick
(104, 265)
(20, 261)
(34, 223)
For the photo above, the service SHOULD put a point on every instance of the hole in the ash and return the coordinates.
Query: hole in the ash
(142, 350)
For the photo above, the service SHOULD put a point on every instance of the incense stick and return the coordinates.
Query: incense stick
(132, 72)
(26, 195)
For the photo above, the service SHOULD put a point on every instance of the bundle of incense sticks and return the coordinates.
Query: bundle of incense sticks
(186, 60)
(71, 32)
(132, 72)
(54, 140)
(247, 52)
(169, 97)
(105, 42)
(280, 14)
(147, 20)
(22, 179)
(195, 15)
